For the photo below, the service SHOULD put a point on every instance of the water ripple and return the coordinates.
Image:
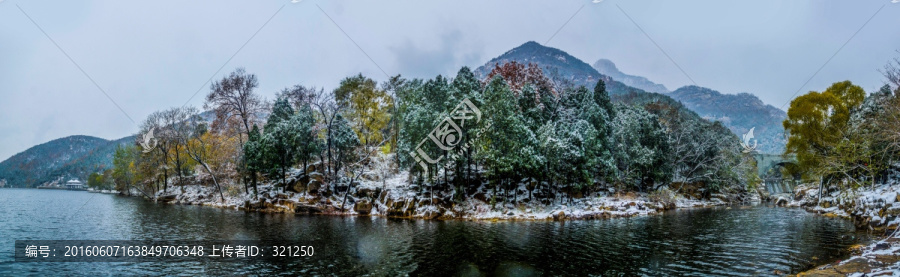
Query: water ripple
(699, 242)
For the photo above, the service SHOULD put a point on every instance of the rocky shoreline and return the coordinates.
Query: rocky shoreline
(394, 198)
(876, 209)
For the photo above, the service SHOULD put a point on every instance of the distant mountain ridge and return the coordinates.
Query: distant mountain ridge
(608, 68)
(738, 112)
(68, 157)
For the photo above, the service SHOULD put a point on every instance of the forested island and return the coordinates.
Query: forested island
(535, 142)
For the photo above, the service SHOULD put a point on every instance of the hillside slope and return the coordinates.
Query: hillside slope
(69, 157)
(558, 65)
(608, 68)
(737, 112)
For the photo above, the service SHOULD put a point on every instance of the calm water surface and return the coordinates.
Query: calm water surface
(739, 241)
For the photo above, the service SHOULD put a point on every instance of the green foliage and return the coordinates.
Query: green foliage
(254, 154)
(501, 146)
(642, 148)
(569, 137)
(125, 167)
(601, 98)
(281, 111)
(818, 124)
(369, 108)
(100, 180)
(572, 137)
(288, 138)
(309, 144)
(69, 157)
(344, 140)
(573, 145)
(701, 151)
(664, 196)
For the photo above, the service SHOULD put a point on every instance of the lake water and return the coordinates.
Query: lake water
(737, 241)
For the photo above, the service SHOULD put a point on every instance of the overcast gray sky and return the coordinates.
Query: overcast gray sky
(151, 55)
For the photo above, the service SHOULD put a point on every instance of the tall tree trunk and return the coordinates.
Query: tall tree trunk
(253, 179)
(165, 180)
(283, 179)
(243, 167)
(215, 181)
(331, 169)
(515, 192)
(178, 166)
(347, 192)
(821, 188)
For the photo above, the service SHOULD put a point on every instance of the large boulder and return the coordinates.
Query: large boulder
(720, 196)
(299, 187)
(365, 192)
(410, 207)
(399, 208)
(363, 207)
(781, 202)
(313, 186)
(317, 176)
(301, 208)
(558, 215)
(288, 204)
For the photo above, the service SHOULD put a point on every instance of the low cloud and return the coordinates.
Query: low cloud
(452, 53)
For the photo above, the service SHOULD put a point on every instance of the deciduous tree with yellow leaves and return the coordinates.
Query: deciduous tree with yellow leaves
(818, 127)
(369, 107)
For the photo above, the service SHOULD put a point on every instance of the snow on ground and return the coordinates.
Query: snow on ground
(875, 208)
(393, 196)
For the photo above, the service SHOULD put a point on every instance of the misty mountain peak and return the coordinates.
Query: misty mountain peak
(608, 68)
(606, 65)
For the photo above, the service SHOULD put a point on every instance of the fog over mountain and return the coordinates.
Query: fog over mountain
(608, 68)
